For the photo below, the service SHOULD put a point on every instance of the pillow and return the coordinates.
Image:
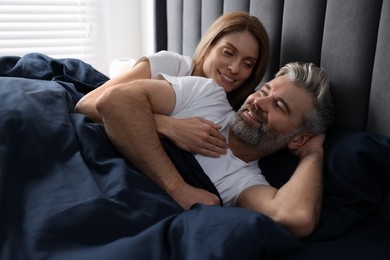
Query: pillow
(356, 177)
(386, 207)
(357, 168)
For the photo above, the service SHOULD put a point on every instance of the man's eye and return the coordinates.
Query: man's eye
(263, 92)
(280, 105)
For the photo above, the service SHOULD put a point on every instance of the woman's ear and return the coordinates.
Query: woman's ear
(298, 141)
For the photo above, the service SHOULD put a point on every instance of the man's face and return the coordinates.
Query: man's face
(270, 117)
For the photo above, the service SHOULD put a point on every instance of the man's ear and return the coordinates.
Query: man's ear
(298, 141)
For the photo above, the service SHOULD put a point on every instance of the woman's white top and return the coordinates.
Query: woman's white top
(170, 63)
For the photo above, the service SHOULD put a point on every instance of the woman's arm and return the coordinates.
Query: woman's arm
(134, 135)
(87, 105)
(196, 135)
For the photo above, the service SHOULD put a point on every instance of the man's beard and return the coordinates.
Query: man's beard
(269, 141)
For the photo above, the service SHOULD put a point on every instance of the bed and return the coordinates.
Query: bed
(66, 193)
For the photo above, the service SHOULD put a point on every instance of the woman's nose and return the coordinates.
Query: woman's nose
(234, 67)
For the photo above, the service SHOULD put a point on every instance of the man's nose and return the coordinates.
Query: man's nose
(262, 103)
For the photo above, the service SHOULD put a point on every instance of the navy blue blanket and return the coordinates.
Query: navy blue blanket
(66, 193)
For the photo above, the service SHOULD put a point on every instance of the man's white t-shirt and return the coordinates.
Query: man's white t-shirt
(199, 96)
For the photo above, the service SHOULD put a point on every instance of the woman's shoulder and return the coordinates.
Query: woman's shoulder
(171, 63)
(171, 56)
(165, 53)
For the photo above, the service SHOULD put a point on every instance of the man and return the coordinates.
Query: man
(291, 111)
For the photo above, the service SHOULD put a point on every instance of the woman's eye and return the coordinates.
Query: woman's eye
(248, 65)
(227, 52)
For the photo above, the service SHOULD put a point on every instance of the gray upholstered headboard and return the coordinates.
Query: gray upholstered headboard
(349, 38)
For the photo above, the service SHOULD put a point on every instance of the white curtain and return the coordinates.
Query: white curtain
(58, 28)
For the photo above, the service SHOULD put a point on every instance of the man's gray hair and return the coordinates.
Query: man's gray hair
(315, 81)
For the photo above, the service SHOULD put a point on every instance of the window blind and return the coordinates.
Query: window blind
(58, 28)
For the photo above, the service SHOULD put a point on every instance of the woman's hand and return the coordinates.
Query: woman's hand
(194, 135)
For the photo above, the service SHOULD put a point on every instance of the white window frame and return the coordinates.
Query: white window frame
(57, 28)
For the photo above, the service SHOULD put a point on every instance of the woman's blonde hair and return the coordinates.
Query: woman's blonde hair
(237, 22)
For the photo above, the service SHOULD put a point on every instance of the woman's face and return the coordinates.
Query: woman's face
(230, 60)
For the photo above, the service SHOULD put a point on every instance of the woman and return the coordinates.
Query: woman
(233, 52)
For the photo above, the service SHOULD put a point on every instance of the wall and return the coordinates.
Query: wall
(129, 29)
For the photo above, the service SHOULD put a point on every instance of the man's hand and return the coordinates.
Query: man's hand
(312, 146)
